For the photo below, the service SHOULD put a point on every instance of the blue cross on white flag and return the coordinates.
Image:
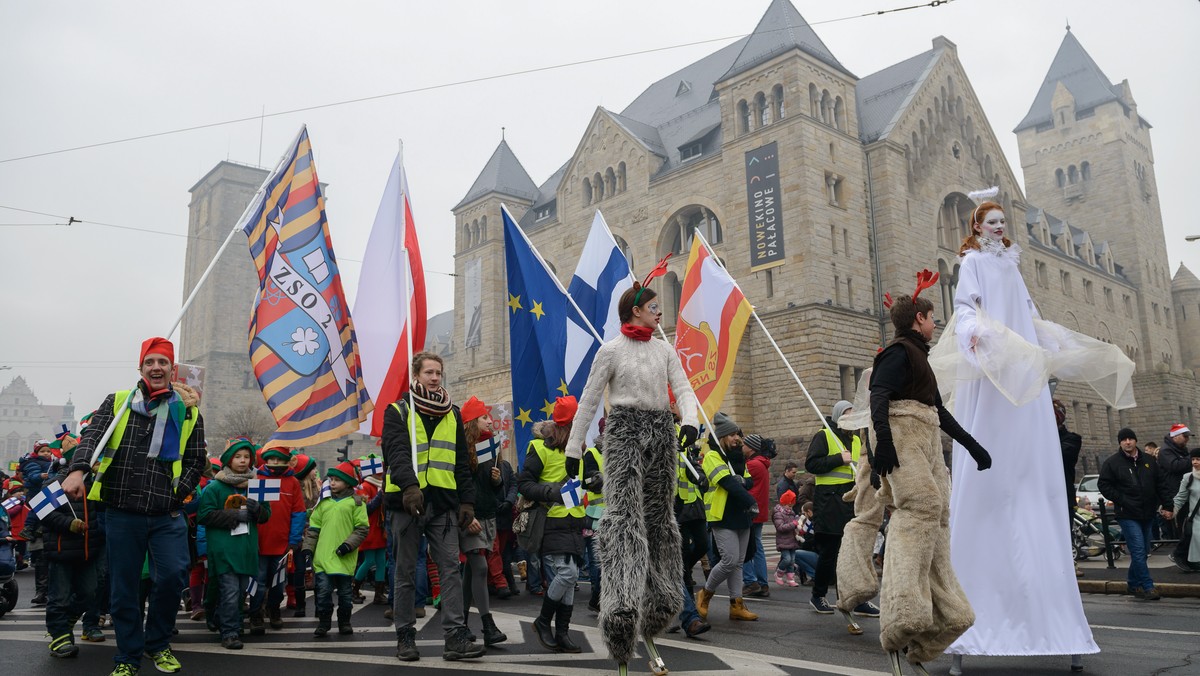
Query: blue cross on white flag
(252, 586)
(263, 490)
(11, 503)
(486, 450)
(50, 498)
(572, 493)
(370, 465)
(326, 491)
(280, 572)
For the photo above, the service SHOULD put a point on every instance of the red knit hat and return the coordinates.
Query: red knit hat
(303, 465)
(788, 498)
(564, 410)
(347, 472)
(1179, 429)
(157, 346)
(474, 408)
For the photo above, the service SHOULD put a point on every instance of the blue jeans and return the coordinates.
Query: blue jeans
(422, 575)
(266, 574)
(73, 589)
(756, 570)
(806, 561)
(564, 569)
(1137, 539)
(131, 540)
(231, 587)
(689, 609)
(326, 585)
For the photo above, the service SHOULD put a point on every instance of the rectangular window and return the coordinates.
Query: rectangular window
(1108, 299)
(1087, 292)
(1157, 318)
(837, 291)
(846, 379)
(771, 283)
(1043, 279)
(1128, 302)
(846, 241)
(833, 238)
(1065, 278)
(691, 151)
(849, 292)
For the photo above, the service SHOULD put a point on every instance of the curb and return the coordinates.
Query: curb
(1168, 589)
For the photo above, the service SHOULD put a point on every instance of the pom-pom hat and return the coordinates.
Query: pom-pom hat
(234, 446)
(1178, 429)
(347, 472)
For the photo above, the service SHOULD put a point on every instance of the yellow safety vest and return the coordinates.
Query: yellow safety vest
(554, 470)
(593, 499)
(715, 498)
(435, 457)
(843, 474)
(685, 488)
(114, 442)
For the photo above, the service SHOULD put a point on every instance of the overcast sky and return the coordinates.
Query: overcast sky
(77, 301)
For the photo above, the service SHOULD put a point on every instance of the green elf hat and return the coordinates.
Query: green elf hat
(347, 472)
(283, 454)
(234, 446)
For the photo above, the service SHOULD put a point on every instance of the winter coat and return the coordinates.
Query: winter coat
(63, 546)
(1185, 503)
(760, 470)
(285, 528)
(1137, 487)
(397, 455)
(563, 535)
(786, 523)
(340, 519)
(33, 467)
(487, 494)
(1070, 444)
(507, 493)
(784, 485)
(229, 553)
(376, 529)
(830, 512)
(1174, 461)
(737, 509)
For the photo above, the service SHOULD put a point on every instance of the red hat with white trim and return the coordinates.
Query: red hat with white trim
(1178, 429)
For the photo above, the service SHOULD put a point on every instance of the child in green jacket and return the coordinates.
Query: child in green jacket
(230, 522)
(337, 526)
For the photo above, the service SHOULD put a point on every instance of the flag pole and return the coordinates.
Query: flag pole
(708, 426)
(254, 204)
(754, 313)
(408, 337)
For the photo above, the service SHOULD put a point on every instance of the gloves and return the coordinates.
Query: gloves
(466, 514)
(243, 514)
(504, 508)
(572, 467)
(413, 500)
(687, 436)
(342, 549)
(982, 458)
(886, 461)
(753, 508)
(596, 483)
(875, 482)
(78, 526)
(252, 508)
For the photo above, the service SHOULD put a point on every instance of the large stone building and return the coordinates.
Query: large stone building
(24, 420)
(873, 175)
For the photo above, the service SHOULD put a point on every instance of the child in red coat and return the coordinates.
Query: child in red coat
(281, 534)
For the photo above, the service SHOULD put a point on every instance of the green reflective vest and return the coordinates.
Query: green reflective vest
(435, 457)
(114, 442)
(843, 474)
(685, 488)
(554, 471)
(715, 498)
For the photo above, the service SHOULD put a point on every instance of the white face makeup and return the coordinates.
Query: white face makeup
(993, 225)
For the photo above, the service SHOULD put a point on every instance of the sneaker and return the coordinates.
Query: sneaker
(820, 605)
(1181, 565)
(1150, 595)
(231, 643)
(750, 589)
(164, 661)
(458, 647)
(866, 609)
(124, 670)
(93, 636)
(64, 646)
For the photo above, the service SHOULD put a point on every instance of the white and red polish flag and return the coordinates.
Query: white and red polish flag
(387, 325)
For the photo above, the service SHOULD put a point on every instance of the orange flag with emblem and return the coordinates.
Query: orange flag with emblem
(713, 314)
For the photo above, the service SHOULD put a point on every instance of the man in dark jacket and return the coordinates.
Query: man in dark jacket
(73, 536)
(1138, 488)
(787, 482)
(829, 460)
(1174, 461)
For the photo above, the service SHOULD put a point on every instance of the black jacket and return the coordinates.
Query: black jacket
(397, 457)
(507, 494)
(563, 535)
(830, 512)
(1174, 461)
(1137, 487)
(739, 501)
(63, 546)
(1070, 443)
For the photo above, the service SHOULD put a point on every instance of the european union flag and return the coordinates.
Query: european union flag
(538, 310)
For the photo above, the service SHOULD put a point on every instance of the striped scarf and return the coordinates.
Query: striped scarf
(168, 411)
(434, 403)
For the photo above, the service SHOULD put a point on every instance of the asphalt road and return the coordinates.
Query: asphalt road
(1136, 638)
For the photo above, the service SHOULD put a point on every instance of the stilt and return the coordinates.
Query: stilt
(956, 665)
(852, 625)
(1076, 662)
(657, 665)
(622, 669)
(894, 660)
(919, 669)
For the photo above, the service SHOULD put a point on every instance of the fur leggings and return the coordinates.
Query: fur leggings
(640, 550)
(855, 568)
(923, 606)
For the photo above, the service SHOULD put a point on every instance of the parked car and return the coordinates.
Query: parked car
(1089, 487)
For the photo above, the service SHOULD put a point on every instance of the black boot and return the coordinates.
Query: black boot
(381, 594)
(562, 626)
(541, 626)
(458, 647)
(323, 624)
(491, 633)
(274, 618)
(258, 625)
(356, 594)
(344, 627)
(406, 645)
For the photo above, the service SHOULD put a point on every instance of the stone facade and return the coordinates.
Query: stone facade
(862, 209)
(24, 420)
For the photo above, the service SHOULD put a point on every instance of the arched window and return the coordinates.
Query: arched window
(621, 177)
(587, 191)
(1072, 175)
(474, 232)
(1085, 171)
(762, 114)
(610, 182)
(1060, 178)
(598, 186)
(623, 246)
(839, 114)
(814, 102)
(777, 100)
(743, 111)
(673, 290)
(483, 228)
(466, 235)
(683, 224)
(826, 107)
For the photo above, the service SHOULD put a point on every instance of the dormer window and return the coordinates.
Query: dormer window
(543, 213)
(691, 151)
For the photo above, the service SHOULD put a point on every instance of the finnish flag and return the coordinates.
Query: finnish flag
(11, 503)
(252, 586)
(370, 466)
(50, 498)
(326, 491)
(486, 449)
(280, 572)
(572, 493)
(263, 490)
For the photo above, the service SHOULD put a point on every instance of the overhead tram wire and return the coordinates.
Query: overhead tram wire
(444, 85)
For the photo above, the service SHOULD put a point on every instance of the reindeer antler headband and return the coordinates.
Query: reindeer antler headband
(925, 279)
(658, 271)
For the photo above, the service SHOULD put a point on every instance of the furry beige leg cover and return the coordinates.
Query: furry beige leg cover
(923, 607)
(856, 579)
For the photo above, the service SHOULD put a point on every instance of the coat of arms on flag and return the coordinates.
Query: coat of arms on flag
(302, 342)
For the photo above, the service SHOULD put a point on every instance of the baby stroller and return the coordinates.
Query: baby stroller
(1086, 537)
(8, 567)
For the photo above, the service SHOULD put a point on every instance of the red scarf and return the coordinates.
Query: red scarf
(641, 333)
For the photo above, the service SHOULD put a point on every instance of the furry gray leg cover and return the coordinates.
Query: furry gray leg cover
(641, 567)
(923, 607)
(856, 579)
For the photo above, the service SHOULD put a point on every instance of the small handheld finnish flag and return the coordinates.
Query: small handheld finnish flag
(11, 503)
(252, 586)
(50, 498)
(326, 491)
(263, 490)
(370, 466)
(572, 493)
(486, 449)
(280, 572)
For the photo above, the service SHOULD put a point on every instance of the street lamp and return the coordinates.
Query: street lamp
(1191, 238)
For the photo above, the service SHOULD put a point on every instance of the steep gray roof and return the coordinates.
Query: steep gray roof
(547, 199)
(504, 174)
(781, 30)
(662, 100)
(1184, 280)
(1073, 67)
(643, 132)
(882, 97)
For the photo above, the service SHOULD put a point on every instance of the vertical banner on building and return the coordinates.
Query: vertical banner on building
(474, 302)
(762, 203)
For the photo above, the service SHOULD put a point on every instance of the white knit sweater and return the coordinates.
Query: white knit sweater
(637, 374)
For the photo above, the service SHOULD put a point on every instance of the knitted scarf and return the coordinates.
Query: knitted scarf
(168, 411)
(641, 333)
(434, 403)
(228, 476)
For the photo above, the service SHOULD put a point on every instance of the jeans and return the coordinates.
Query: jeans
(806, 561)
(732, 544)
(230, 589)
(689, 609)
(787, 561)
(441, 535)
(325, 585)
(423, 590)
(73, 590)
(565, 568)
(132, 539)
(266, 574)
(593, 563)
(1137, 539)
(756, 570)
(91, 616)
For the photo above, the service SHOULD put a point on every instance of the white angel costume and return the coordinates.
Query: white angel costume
(1009, 539)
